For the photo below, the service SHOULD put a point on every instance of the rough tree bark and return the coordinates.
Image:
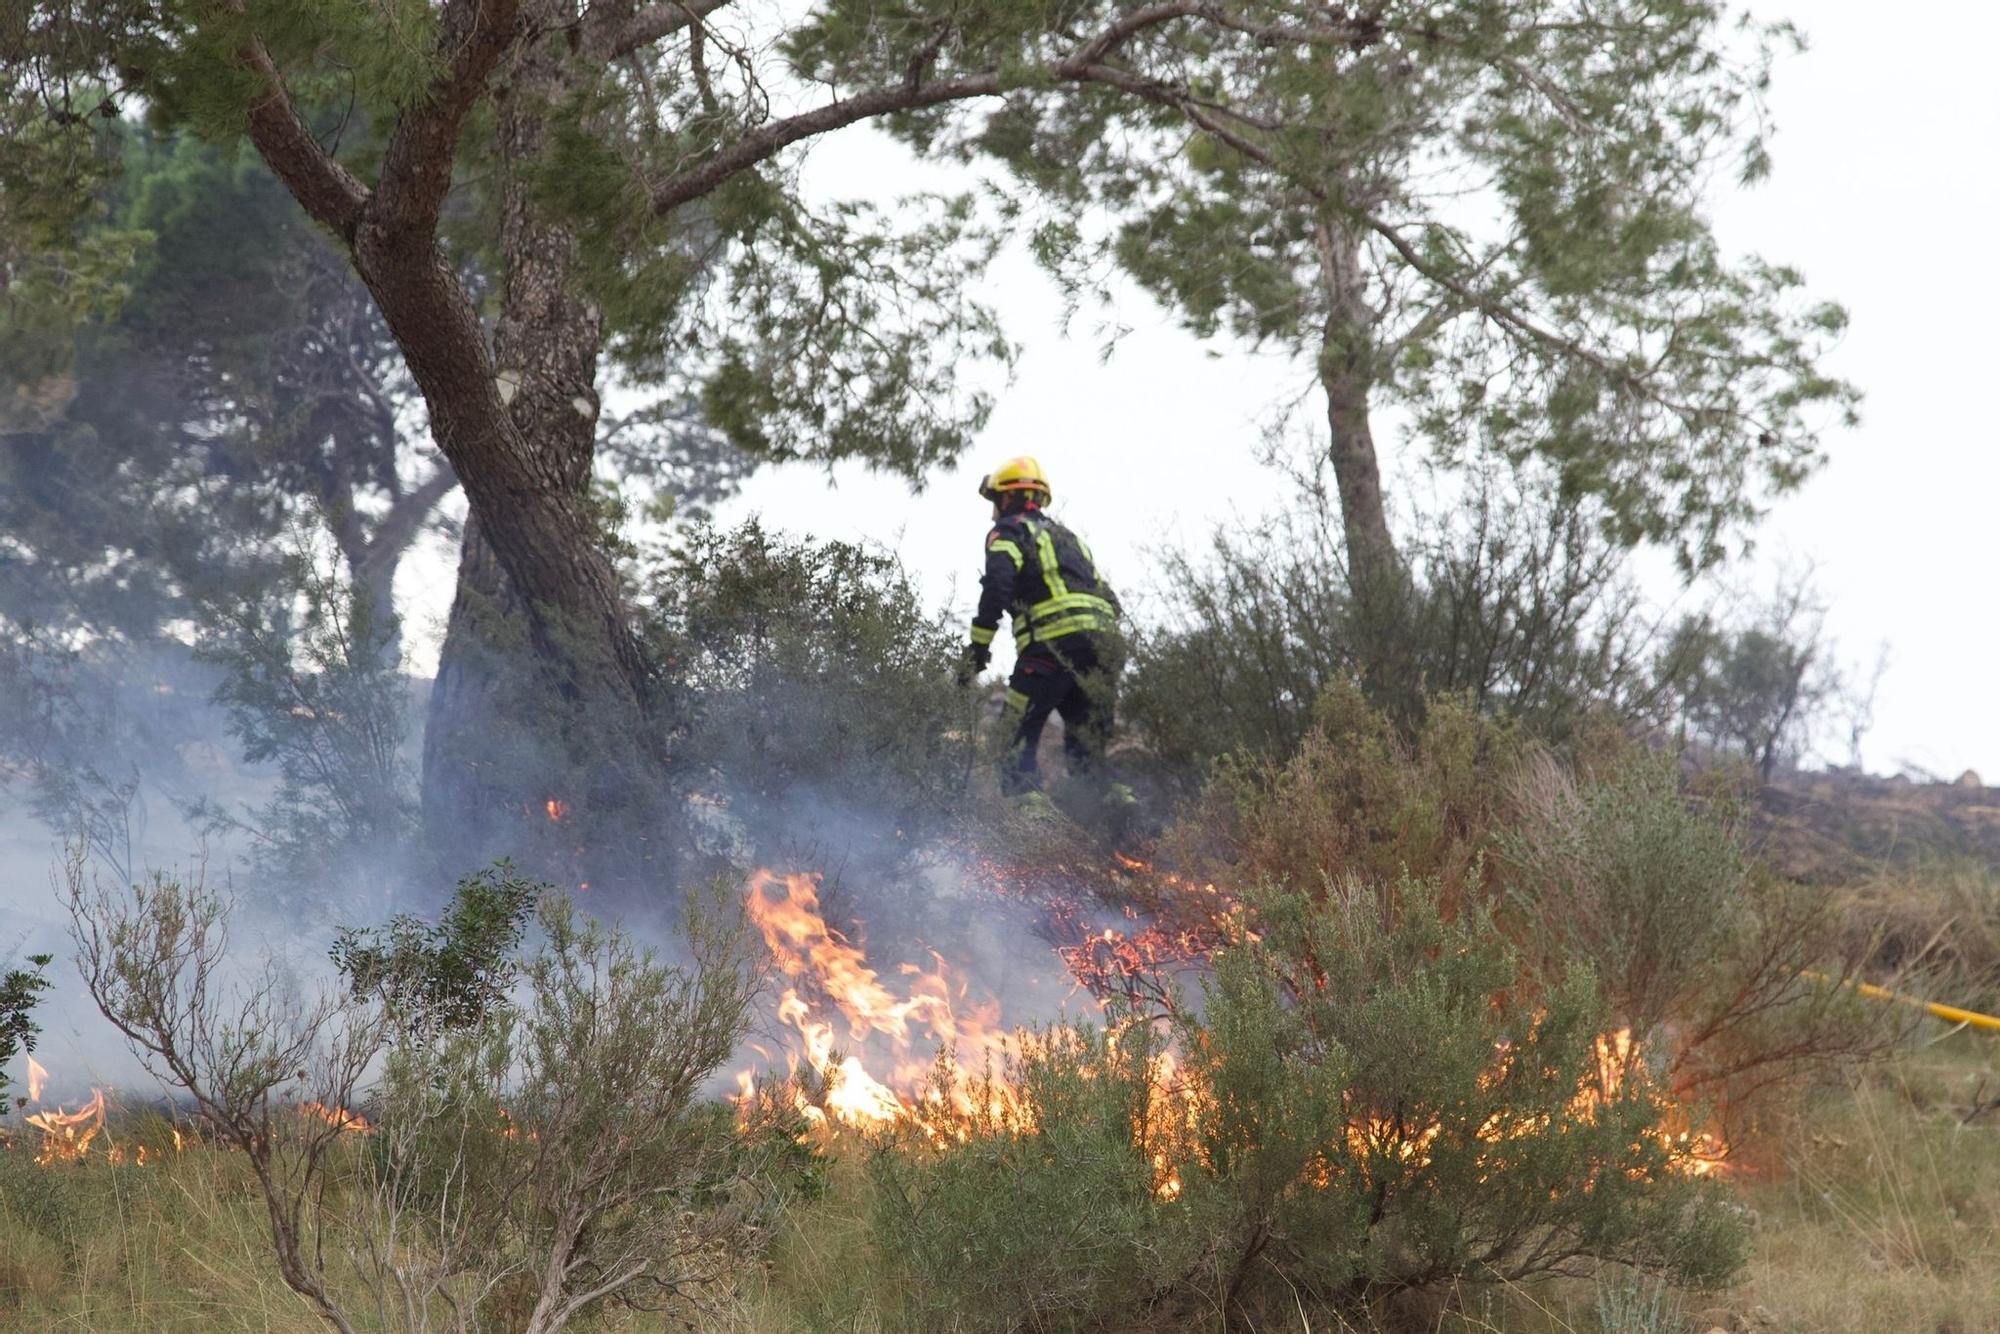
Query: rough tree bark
(561, 746)
(532, 510)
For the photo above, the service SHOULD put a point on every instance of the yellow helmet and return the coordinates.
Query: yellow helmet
(1021, 474)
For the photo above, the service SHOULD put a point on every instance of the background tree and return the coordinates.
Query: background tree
(1762, 684)
(172, 446)
(1488, 215)
(241, 387)
(615, 158)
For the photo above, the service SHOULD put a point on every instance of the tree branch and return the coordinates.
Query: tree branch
(650, 24)
(416, 169)
(764, 142)
(399, 527)
(1498, 311)
(328, 192)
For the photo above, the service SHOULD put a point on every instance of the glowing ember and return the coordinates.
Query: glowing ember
(557, 808)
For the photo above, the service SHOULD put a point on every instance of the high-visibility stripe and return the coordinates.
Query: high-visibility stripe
(1016, 702)
(983, 634)
(1074, 623)
(1051, 567)
(1002, 544)
(1068, 602)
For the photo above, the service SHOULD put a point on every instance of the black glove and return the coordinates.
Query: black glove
(975, 661)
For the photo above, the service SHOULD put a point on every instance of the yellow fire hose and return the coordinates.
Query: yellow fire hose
(1951, 1014)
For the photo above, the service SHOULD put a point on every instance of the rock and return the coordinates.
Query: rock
(1970, 778)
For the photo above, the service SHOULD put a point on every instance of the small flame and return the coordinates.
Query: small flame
(337, 1117)
(66, 1136)
(38, 1078)
(557, 808)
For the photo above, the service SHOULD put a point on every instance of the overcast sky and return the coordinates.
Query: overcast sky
(1884, 193)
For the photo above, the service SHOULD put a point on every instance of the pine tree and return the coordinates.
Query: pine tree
(617, 176)
(1487, 213)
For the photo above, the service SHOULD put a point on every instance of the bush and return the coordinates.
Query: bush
(557, 1153)
(1711, 960)
(814, 684)
(537, 1149)
(1038, 1206)
(1519, 605)
(1608, 860)
(1374, 1099)
(1357, 796)
(1388, 1100)
(20, 990)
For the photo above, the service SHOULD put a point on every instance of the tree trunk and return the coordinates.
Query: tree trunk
(544, 760)
(1376, 578)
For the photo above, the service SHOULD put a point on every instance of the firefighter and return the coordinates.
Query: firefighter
(1065, 621)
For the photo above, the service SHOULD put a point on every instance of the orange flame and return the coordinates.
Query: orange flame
(869, 1045)
(337, 1117)
(832, 987)
(557, 808)
(66, 1136)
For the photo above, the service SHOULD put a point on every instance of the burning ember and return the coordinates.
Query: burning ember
(557, 809)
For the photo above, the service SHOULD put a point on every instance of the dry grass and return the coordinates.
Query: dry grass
(182, 1243)
(1938, 919)
(1887, 1215)
(1878, 1210)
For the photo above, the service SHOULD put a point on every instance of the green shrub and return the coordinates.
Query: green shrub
(1357, 796)
(1715, 964)
(20, 990)
(1038, 1207)
(1375, 1098)
(811, 677)
(1388, 1101)
(557, 1153)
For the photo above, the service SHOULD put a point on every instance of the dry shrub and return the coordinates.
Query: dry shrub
(1730, 973)
(1937, 919)
(1357, 800)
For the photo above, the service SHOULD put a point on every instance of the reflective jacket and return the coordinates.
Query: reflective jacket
(1042, 575)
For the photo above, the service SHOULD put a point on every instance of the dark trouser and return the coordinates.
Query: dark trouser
(1075, 676)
